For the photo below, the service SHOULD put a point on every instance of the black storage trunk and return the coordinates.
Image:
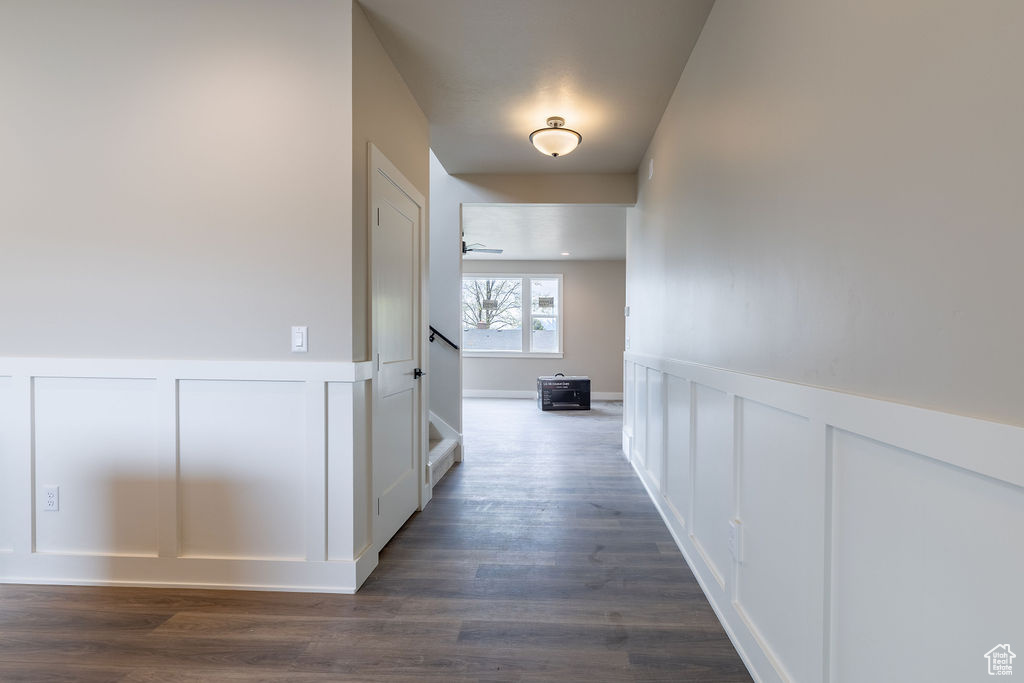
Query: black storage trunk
(563, 393)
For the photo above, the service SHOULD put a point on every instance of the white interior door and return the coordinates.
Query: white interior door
(396, 214)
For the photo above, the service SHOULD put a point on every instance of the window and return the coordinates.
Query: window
(512, 315)
(544, 315)
(492, 314)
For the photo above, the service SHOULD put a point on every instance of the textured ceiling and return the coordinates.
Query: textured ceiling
(488, 72)
(541, 232)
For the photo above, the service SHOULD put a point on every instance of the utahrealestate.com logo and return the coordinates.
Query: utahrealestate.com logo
(1000, 660)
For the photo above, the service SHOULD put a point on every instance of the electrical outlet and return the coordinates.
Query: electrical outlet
(736, 539)
(51, 498)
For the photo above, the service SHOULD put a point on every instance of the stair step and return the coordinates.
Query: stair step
(440, 448)
(444, 443)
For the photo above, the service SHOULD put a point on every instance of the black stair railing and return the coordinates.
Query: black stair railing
(434, 332)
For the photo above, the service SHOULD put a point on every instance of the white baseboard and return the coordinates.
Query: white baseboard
(498, 393)
(337, 576)
(532, 394)
(849, 515)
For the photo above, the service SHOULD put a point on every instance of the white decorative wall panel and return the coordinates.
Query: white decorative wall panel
(97, 440)
(924, 553)
(629, 401)
(678, 463)
(340, 474)
(639, 395)
(242, 458)
(185, 473)
(712, 487)
(7, 466)
(781, 506)
(878, 542)
(655, 428)
(348, 473)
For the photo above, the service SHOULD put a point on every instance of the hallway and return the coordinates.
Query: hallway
(539, 559)
(542, 558)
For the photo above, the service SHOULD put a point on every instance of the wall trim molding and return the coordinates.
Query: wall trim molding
(948, 437)
(335, 576)
(294, 371)
(309, 413)
(799, 472)
(532, 394)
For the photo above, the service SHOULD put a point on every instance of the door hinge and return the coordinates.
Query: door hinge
(378, 507)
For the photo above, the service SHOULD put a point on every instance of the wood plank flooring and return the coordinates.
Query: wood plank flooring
(539, 559)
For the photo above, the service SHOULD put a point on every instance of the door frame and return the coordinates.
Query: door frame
(378, 162)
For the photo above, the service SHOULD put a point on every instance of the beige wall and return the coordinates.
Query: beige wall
(386, 114)
(836, 202)
(176, 178)
(594, 294)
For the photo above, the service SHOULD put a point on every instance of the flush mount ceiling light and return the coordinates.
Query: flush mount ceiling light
(556, 140)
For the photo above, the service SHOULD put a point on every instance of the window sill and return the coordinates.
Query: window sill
(508, 354)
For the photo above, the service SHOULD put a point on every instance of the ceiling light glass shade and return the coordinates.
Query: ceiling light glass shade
(555, 140)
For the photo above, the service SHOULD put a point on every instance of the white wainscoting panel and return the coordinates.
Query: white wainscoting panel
(97, 440)
(678, 463)
(348, 474)
(712, 479)
(639, 395)
(655, 428)
(875, 541)
(242, 458)
(8, 425)
(226, 474)
(362, 512)
(781, 503)
(923, 552)
(341, 474)
(629, 400)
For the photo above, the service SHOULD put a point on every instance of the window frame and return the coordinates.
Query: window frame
(527, 316)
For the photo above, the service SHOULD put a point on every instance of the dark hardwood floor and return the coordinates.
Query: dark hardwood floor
(539, 559)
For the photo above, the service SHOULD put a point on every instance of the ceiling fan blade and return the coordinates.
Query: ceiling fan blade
(476, 246)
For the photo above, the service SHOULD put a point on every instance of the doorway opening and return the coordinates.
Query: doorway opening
(542, 298)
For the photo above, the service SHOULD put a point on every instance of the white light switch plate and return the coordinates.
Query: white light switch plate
(300, 339)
